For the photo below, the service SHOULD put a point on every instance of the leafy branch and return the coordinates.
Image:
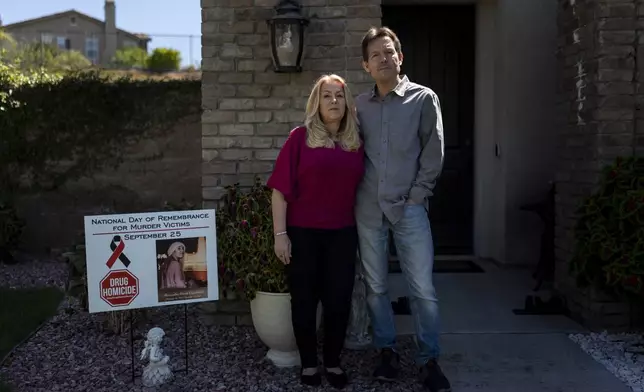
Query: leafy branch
(609, 251)
(247, 262)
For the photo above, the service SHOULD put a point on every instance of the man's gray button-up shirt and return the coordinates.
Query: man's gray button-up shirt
(404, 150)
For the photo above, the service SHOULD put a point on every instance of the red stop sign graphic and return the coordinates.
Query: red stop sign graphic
(119, 288)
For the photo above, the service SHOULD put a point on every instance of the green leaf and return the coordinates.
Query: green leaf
(609, 233)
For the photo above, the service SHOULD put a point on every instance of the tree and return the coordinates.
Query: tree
(7, 42)
(7, 46)
(164, 60)
(131, 57)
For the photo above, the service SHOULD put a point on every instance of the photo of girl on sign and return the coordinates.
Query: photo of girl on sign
(181, 269)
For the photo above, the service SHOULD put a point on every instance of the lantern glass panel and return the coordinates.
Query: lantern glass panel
(287, 43)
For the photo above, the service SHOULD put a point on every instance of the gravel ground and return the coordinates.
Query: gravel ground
(615, 352)
(33, 273)
(73, 352)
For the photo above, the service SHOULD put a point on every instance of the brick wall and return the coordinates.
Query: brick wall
(248, 108)
(164, 168)
(601, 59)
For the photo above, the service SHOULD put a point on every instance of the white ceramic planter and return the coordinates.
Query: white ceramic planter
(271, 315)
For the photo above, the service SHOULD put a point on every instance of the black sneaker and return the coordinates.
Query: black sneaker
(389, 365)
(433, 378)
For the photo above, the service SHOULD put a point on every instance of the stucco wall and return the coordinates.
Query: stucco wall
(165, 168)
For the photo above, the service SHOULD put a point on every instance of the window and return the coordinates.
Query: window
(63, 43)
(91, 49)
(72, 21)
(46, 38)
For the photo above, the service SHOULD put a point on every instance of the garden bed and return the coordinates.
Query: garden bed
(73, 351)
(611, 351)
(30, 295)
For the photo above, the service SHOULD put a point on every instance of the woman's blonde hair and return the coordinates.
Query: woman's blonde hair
(316, 134)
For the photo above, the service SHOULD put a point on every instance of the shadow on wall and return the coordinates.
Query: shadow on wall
(167, 168)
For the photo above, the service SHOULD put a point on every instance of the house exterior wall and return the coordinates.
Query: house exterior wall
(76, 33)
(515, 130)
(59, 27)
(554, 93)
(249, 109)
(488, 229)
(600, 62)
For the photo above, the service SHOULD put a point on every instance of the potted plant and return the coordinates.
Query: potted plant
(609, 252)
(247, 258)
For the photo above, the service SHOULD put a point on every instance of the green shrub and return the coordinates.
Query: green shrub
(609, 251)
(164, 60)
(49, 57)
(132, 57)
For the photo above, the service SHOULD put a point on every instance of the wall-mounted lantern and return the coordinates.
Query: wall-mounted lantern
(286, 31)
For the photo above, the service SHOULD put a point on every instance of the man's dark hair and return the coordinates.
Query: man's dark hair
(378, 32)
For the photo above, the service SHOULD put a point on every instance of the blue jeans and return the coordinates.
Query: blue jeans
(415, 249)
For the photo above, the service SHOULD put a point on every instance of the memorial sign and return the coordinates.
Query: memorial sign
(151, 259)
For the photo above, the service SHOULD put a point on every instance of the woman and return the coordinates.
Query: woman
(172, 275)
(314, 186)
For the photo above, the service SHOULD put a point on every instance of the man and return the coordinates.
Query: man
(403, 132)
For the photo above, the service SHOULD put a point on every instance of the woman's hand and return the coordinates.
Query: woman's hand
(283, 248)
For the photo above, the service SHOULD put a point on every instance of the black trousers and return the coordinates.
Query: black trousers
(322, 268)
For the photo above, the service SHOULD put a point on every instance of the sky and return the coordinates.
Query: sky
(170, 23)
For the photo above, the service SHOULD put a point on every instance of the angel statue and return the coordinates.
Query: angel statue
(158, 371)
(358, 337)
